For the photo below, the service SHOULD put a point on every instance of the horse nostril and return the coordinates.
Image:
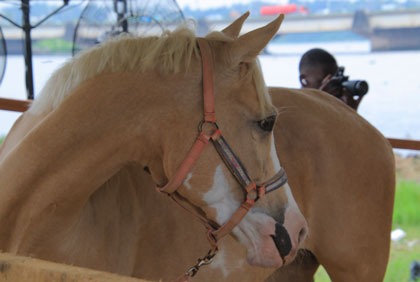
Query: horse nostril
(282, 240)
(302, 234)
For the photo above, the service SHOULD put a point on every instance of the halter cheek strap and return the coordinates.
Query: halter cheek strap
(209, 132)
(205, 134)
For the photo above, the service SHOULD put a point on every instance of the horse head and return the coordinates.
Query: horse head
(236, 102)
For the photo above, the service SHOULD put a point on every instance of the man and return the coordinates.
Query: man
(318, 69)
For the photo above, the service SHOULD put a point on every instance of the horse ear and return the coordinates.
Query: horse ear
(248, 46)
(234, 28)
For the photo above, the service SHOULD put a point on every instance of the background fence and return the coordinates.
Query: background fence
(23, 105)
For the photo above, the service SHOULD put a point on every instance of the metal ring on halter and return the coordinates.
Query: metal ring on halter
(202, 125)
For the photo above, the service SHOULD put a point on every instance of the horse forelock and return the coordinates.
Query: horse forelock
(170, 53)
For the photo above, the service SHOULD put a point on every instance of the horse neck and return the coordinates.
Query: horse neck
(75, 149)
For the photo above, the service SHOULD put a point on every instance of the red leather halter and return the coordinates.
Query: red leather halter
(209, 131)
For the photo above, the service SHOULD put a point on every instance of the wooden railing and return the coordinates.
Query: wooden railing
(14, 105)
(19, 268)
(23, 105)
(404, 144)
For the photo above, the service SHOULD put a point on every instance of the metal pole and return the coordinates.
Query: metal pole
(26, 21)
(120, 8)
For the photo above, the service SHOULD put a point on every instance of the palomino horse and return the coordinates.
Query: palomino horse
(341, 171)
(138, 102)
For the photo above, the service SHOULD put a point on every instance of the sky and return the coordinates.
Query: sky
(209, 4)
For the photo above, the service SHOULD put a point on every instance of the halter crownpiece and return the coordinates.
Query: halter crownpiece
(209, 131)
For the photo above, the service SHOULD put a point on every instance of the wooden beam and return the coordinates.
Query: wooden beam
(14, 105)
(18, 268)
(404, 144)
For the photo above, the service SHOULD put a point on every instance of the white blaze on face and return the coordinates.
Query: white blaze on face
(220, 198)
(187, 181)
(273, 153)
(290, 199)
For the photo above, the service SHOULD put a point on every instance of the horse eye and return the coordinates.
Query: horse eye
(267, 124)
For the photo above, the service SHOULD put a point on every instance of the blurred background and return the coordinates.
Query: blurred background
(375, 40)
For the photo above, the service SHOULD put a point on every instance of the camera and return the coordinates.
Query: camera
(354, 87)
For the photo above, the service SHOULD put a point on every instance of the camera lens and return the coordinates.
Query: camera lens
(356, 87)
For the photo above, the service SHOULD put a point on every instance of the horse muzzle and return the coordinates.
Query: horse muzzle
(288, 237)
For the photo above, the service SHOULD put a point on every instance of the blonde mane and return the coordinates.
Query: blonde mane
(171, 52)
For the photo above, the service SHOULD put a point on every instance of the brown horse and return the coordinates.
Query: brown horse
(136, 102)
(342, 172)
(342, 175)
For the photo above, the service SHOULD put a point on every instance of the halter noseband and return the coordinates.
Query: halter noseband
(209, 131)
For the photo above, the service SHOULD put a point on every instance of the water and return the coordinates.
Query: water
(392, 104)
